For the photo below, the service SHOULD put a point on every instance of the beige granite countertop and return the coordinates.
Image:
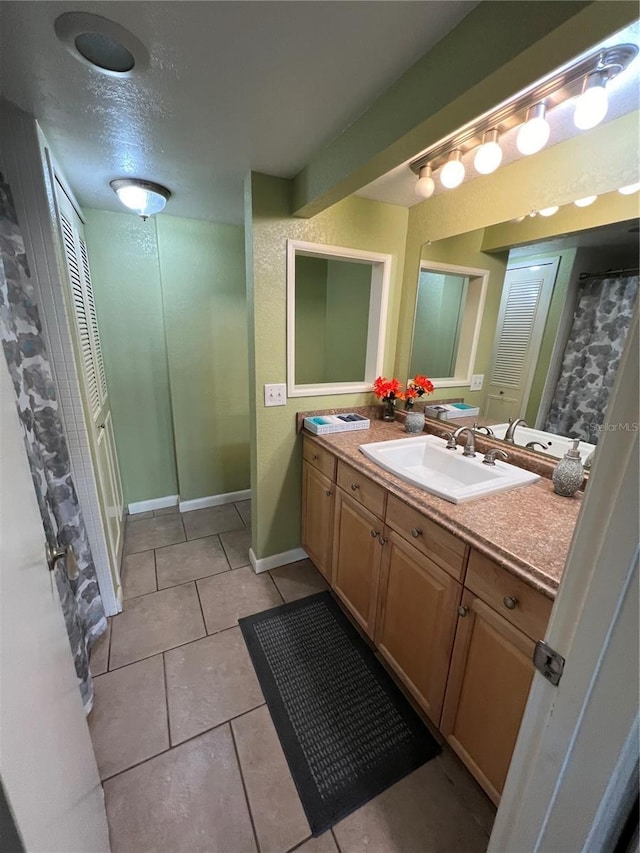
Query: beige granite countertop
(527, 530)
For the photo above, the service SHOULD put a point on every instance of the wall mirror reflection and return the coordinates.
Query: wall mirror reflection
(336, 317)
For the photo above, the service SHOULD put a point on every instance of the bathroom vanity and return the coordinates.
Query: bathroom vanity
(453, 596)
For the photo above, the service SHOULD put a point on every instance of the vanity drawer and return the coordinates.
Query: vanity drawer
(361, 489)
(521, 604)
(319, 458)
(438, 544)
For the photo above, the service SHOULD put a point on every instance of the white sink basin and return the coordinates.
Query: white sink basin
(425, 462)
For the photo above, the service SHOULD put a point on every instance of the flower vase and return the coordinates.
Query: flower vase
(414, 422)
(389, 409)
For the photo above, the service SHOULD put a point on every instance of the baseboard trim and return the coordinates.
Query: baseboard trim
(283, 559)
(215, 500)
(154, 503)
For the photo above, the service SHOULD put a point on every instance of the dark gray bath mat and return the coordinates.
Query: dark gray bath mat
(345, 728)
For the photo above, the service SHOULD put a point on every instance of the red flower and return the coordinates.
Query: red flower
(421, 385)
(385, 389)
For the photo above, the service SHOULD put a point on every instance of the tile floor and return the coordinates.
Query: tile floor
(188, 755)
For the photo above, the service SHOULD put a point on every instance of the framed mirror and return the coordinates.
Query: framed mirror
(336, 318)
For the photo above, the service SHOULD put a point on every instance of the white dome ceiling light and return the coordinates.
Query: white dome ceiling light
(586, 201)
(630, 189)
(549, 211)
(452, 174)
(534, 133)
(101, 44)
(425, 185)
(142, 197)
(593, 102)
(489, 155)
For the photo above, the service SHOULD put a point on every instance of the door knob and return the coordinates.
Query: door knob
(462, 611)
(415, 532)
(328, 493)
(354, 487)
(510, 602)
(375, 533)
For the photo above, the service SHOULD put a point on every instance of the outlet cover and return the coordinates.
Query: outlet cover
(476, 382)
(275, 395)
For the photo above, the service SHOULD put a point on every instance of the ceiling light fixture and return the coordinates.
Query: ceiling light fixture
(593, 103)
(549, 211)
(586, 201)
(452, 174)
(629, 189)
(426, 185)
(489, 154)
(534, 133)
(143, 197)
(101, 44)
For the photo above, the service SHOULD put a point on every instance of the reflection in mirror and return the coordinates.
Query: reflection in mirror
(336, 314)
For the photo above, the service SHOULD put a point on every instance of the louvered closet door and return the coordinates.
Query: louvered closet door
(91, 369)
(523, 313)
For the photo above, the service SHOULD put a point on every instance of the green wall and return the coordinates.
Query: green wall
(123, 255)
(171, 305)
(355, 223)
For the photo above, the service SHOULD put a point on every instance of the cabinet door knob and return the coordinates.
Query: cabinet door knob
(315, 457)
(354, 487)
(382, 540)
(462, 611)
(375, 533)
(415, 532)
(328, 493)
(510, 602)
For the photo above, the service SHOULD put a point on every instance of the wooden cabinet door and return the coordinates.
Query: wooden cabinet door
(318, 499)
(489, 681)
(416, 623)
(357, 554)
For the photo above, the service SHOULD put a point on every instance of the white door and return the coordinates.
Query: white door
(523, 313)
(91, 369)
(47, 765)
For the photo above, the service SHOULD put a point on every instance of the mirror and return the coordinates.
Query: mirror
(552, 332)
(336, 317)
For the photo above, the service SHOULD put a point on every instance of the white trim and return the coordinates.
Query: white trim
(283, 559)
(154, 503)
(215, 500)
(377, 323)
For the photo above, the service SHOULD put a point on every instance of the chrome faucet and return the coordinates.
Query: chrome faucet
(486, 429)
(490, 456)
(508, 436)
(531, 445)
(470, 446)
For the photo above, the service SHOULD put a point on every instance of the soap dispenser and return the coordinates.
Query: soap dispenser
(568, 473)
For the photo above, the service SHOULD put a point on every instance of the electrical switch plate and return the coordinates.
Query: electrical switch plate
(476, 382)
(275, 395)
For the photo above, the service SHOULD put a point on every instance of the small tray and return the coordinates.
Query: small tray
(324, 424)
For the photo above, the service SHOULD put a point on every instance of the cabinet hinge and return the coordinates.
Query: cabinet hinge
(547, 661)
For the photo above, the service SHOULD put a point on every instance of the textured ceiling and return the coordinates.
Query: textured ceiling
(232, 87)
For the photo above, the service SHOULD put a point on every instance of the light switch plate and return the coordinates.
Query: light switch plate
(275, 395)
(476, 382)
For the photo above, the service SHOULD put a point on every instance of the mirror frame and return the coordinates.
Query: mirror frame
(377, 321)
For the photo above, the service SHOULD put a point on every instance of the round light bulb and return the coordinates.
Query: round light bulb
(534, 133)
(549, 211)
(629, 189)
(452, 174)
(586, 201)
(593, 103)
(425, 185)
(489, 154)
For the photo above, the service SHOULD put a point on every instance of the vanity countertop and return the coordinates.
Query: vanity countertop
(527, 530)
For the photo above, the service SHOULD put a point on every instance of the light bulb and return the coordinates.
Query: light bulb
(586, 201)
(549, 211)
(425, 185)
(629, 189)
(534, 133)
(135, 198)
(489, 154)
(593, 103)
(143, 197)
(452, 174)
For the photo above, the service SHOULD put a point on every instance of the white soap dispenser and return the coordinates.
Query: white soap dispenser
(568, 473)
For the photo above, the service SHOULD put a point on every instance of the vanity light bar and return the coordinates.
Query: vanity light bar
(557, 88)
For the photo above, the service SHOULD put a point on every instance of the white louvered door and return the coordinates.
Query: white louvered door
(523, 313)
(91, 369)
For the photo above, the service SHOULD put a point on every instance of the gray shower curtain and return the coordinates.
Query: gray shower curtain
(592, 355)
(45, 443)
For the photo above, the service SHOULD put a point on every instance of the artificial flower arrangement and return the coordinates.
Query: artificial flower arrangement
(418, 386)
(390, 390)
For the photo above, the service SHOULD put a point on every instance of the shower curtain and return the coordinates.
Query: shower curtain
(592, 355)
(45, 443)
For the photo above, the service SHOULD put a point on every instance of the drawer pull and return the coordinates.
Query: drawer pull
(354, 487)
(415, 532)
(328, 493)
(462, 611)
(510, 602)
(315, 457)
(375, 533)
(382, 540)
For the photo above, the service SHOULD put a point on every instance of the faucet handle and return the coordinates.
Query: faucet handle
(490, 456)
(487, 429)
(452, 444)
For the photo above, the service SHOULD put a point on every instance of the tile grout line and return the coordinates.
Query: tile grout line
(335, 839)
(155, 569)
(276, 586)
(244, 788)
(166, 698)
(204, 621)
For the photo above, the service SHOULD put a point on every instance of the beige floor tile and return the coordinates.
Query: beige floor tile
(298, 580)
(138, 574)
(187, 800)
(244, 508)
(215, 519)
(208, 683)
(278, 815)
(128, 723)
(154, 623)
(236, 544)
(153, 533)
(99, 657)
(140, 516)
(167, 510)
(187, 561)
(468, 789)
(323, 844)
(420, 814)
(228, 597)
